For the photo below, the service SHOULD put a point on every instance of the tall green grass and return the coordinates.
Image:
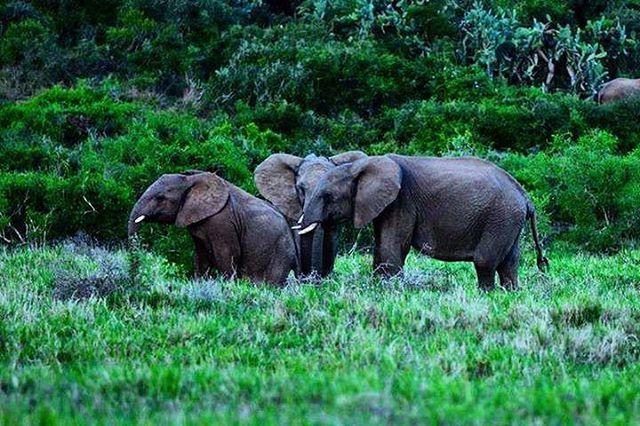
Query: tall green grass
(351, 349)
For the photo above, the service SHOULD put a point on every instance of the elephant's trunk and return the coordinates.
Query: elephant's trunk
(317, 250)
(311, 219)
(311, 253)
(135, 218)
(330, 248)
(306, 244)
(133, 243)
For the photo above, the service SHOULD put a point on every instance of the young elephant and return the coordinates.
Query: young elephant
(233, 232)
(286, 180)
(453, 209)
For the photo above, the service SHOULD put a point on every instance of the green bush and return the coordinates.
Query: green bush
(97, 99)
(592, 193)
(619, 118)
(24, 40)
(508, 120)
(300, 64)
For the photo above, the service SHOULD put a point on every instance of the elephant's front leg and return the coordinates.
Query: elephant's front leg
(227, 256)
(202, 260)
(392, 232)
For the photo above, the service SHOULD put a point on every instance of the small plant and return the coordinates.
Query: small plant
(108, 276)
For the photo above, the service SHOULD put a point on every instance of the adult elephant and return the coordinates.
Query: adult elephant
(286, 180)
(452, 209)
(618, 89)
(234, 232)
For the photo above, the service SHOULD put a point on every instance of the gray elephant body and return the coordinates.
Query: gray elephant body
(285, 180)
(452, 209)
(618, 89)
(233, 232)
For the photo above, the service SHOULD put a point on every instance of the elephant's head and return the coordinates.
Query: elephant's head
(358, 191)
(180, 199)
(286, 180)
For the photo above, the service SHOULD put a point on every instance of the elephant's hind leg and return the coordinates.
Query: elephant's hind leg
(508, 268)
(277, 272)
(486, 261)
(202, 260)
(498, 250)
(281, 263)
(486, 276)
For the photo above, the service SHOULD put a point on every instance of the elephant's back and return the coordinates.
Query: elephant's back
(618, 88)
(461, 184)
(622, 81)
(262, 214)
(458, 170)
(265, 232)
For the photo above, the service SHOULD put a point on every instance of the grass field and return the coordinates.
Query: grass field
(350, 350)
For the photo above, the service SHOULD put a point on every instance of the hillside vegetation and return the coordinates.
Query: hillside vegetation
(102, 97)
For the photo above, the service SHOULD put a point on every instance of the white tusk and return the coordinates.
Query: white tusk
(308, 228)
(140, 219)
(301, 217)
(296, 227)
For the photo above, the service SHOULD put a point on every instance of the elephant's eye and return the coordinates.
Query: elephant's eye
(161, 197)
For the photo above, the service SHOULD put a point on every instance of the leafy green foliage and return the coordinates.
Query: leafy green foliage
(542, 53)
(588, 187)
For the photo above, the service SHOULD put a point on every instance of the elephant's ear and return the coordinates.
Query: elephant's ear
(347, 157)
(275, 178)
(207, 195)
(379, 180)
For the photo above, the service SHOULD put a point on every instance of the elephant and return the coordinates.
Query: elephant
(285, 180)
(234, 233)
(618, 89)
(451, 209)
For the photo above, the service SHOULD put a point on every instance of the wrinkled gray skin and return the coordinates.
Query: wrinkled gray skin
(234, 233)
(286, 180)
(618, 89)
(452, 209)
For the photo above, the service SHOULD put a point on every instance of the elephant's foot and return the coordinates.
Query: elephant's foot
(387, 270)
(486, 278)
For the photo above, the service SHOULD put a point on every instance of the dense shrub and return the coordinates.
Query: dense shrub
(591, 192)
(98, 100)
(304, 65)
(507, 120)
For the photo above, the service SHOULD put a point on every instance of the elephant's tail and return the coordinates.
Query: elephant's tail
(543, 262)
